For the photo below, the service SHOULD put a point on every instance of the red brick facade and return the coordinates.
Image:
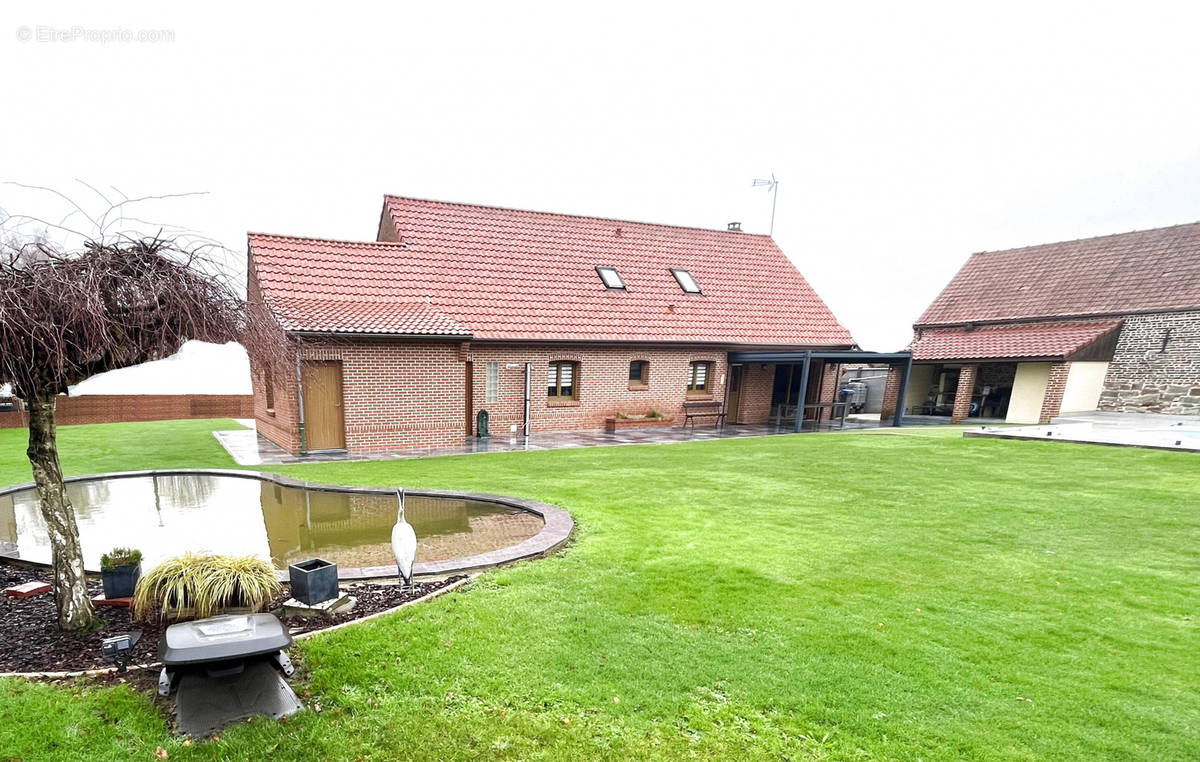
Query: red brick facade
(758, 382)
(411, 394)
(962, 394)
(1056, 384)
(829, 383)
(891, 392)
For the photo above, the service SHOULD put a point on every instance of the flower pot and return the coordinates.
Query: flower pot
(313, 581)
(119, 582)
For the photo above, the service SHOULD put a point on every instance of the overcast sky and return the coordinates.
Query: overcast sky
(905, 136)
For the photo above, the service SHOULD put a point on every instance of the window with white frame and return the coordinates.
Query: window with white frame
(686, 281)
(611, 278)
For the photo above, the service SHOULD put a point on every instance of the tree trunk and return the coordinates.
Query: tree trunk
(70, 586)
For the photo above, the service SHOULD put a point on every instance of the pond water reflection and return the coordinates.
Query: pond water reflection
(167, 515)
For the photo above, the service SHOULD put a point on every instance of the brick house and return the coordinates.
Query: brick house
(1109, 323)
(546, 321)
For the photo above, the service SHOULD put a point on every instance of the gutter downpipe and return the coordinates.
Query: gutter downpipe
(300, 406)
(528, 373)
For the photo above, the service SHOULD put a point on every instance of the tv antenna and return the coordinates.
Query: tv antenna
(772, 187)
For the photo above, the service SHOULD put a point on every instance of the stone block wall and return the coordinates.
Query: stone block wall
(1156, 367)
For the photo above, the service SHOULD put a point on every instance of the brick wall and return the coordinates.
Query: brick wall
(891, 393)
(277, 418)
(115, 408)
(394, 395)
(1056, 384)
(399, 395)
(829, 383)
(997, 374)
(962, 394)
(757, 385)
(604, 388)
(280, 423)
(1146, 377)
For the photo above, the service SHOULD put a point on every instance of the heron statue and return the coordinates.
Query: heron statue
(404, 544)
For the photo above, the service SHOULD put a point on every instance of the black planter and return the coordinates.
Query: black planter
(120, 582)
(313, 581)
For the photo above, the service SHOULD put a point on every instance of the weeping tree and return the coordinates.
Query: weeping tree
(66, 315)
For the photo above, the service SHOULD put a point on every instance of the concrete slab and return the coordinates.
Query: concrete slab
(1161, 432)
(339, 605)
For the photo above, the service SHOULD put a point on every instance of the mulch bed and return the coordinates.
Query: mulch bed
(33, 643)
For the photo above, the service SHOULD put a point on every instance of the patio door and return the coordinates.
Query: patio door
(734, 400)
(324, 417)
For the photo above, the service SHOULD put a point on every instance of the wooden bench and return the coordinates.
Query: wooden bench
(706, 409)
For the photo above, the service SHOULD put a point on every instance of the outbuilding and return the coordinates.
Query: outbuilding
(1024, 335)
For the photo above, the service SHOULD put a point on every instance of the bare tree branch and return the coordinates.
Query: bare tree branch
(119, 298)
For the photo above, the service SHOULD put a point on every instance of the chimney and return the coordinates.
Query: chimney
(735, 227)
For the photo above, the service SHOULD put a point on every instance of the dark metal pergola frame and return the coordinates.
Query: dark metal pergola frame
(804, 358)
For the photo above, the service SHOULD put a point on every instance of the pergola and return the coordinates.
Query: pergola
(900, 363)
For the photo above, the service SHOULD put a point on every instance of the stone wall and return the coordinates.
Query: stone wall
(1156, 367)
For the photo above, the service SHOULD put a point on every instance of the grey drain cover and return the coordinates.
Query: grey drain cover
(204, 705)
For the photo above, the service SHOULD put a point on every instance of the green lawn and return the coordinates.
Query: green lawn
(908, 595)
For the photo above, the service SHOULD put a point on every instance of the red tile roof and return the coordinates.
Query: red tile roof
(1142, 271)
(508, 274)
(364, 316)
(1038, 340)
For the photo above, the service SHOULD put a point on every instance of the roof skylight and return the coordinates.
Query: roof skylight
(686, 281)
(610, 276)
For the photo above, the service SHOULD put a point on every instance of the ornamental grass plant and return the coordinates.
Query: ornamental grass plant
(204, 585)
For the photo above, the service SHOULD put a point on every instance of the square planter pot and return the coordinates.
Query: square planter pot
(120, 582)
(313, 581)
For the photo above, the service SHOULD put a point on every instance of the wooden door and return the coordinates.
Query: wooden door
(469, 386)
(324, 418)
(734, 400)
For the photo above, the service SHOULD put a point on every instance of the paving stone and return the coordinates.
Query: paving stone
(121, 603)
(28, 589)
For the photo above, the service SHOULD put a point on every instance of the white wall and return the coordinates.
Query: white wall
(1085, 380)
(1029, 389)
(920, 378)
